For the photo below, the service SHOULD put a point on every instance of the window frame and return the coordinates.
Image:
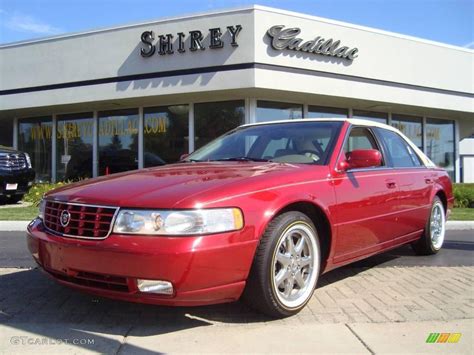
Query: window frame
(380, 146)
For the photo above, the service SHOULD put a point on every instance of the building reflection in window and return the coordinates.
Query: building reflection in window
(74, 141)
(276, 111)
(371, 116)
(212, 119)
(410, 126)
(326, 112)
(165, 134)
(440, 143)
(6, 132)
(118, 141)
(34, 138)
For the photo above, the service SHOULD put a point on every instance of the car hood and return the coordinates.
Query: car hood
(181, 185)
(4, 149)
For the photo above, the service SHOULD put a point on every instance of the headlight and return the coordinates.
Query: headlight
(41, 209)
(28, 160)
(178, 222)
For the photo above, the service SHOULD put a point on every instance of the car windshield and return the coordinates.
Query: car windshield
(294, 142)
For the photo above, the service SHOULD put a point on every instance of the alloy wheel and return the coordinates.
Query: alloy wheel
(437, 226)
(295, 265)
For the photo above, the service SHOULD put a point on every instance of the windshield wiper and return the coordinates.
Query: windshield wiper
(243, 159)
(189, 161)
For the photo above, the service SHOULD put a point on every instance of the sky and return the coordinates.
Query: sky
(446, 21)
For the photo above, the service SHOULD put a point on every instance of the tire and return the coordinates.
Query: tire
(433, 236)
(14, 198)
(284, 274)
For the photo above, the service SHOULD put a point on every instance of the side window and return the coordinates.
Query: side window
(401, 154)
(360, 138)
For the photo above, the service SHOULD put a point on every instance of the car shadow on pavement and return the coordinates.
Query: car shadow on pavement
(459, 245)
(32, 304)
(34, 308)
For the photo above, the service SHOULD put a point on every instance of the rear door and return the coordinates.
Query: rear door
(413, 180)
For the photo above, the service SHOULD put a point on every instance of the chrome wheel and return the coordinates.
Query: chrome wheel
(437, 225)
(295, 265)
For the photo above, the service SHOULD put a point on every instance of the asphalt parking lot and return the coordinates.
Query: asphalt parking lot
(388, 303)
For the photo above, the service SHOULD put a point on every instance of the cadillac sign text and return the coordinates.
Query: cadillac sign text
(286, 38)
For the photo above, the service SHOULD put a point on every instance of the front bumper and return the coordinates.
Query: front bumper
(203, 269)
(23, 178)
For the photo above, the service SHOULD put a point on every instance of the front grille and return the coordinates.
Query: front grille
(89, 279)
(85, 221)
(13, 161)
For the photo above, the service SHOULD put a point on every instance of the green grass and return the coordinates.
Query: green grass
(462, 214)
(18, 213)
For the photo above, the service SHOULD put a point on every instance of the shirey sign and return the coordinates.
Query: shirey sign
(166, 44)
(285, 38)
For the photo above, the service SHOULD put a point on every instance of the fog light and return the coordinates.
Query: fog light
(30, 183)
(155, 286)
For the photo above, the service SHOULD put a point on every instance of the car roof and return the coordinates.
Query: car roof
(354, 121)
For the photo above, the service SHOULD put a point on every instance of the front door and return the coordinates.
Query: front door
(367, 203)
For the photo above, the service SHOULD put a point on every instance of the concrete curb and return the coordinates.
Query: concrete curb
(19, 226)
(13, 226)
(460, 225)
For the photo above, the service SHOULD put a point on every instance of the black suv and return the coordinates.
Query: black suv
(16, 174)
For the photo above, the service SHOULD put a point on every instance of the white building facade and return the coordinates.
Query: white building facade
(111, 100)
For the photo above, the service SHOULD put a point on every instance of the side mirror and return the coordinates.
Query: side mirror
(361, 158)
(184, 156)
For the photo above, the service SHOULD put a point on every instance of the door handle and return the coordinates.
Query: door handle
(391, 184)
(428, 181)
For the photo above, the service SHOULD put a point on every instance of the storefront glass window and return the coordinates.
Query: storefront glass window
(371, 116)
(165, 134)
(118, 141)
(275, 111)
(74, 140)
(6, 132)
(440, 143)
(411, 127)
(34, 138)
(326, 112)
(212, 119)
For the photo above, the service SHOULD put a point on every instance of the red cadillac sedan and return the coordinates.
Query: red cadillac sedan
(259, 213)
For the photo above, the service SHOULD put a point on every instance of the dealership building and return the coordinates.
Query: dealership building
(133, 96)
